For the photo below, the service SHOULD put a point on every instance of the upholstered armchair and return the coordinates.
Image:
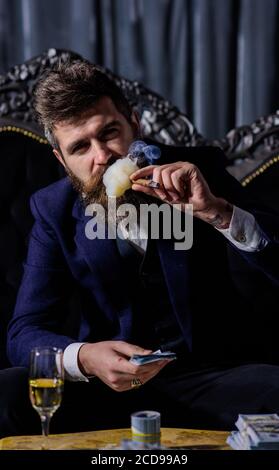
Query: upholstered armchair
(27, 163)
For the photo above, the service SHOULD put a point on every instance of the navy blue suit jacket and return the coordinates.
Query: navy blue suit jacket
(60, 257)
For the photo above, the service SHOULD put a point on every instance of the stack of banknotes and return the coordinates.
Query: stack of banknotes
(255, 432)
(140, 359)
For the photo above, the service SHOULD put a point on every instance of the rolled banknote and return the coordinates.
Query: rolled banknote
(146, 182)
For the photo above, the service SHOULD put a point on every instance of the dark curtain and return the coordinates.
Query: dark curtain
(215, 59)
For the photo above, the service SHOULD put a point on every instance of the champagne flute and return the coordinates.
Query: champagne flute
(46, 380)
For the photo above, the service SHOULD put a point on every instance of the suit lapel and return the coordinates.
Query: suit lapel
(106, 275)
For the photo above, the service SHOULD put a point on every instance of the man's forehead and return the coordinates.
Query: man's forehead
(99, 111)
(96, 117)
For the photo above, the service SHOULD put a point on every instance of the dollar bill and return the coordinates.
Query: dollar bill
(140, 359)
(264, 434)
(256, 432)
(245, 420)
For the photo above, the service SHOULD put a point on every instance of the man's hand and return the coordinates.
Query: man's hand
(182, 183)
(109, 360)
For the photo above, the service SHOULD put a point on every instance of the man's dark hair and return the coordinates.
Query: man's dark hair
(69, 90)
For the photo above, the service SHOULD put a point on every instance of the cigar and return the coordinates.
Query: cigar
(146, 182)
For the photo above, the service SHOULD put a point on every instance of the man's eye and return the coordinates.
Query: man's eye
(110, 133)
(81, 147)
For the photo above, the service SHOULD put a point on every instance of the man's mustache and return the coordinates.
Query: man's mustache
(97, 179)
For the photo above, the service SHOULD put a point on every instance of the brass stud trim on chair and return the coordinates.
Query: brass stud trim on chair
(25, 132)
(259, 170)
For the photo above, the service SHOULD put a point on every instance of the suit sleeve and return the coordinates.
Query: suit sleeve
(40, 309)
(222, 184)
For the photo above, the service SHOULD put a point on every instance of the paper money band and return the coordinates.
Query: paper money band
(145, 437)
(146, 426)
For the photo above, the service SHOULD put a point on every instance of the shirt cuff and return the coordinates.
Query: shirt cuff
(244, 232)
(70, 361)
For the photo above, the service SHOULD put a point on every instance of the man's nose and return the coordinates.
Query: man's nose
(102, 153)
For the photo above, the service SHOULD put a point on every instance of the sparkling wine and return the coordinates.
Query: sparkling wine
(46, 394)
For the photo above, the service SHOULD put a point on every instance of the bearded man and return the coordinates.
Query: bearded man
(139, 295)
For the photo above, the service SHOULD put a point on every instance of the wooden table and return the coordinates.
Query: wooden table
(171, 437)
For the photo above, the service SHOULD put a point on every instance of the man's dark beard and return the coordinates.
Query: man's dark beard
(95, 192)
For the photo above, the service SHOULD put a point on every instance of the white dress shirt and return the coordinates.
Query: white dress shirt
(243, 232)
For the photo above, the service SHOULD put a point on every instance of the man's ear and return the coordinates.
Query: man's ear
(59, 157)
(135, 121)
